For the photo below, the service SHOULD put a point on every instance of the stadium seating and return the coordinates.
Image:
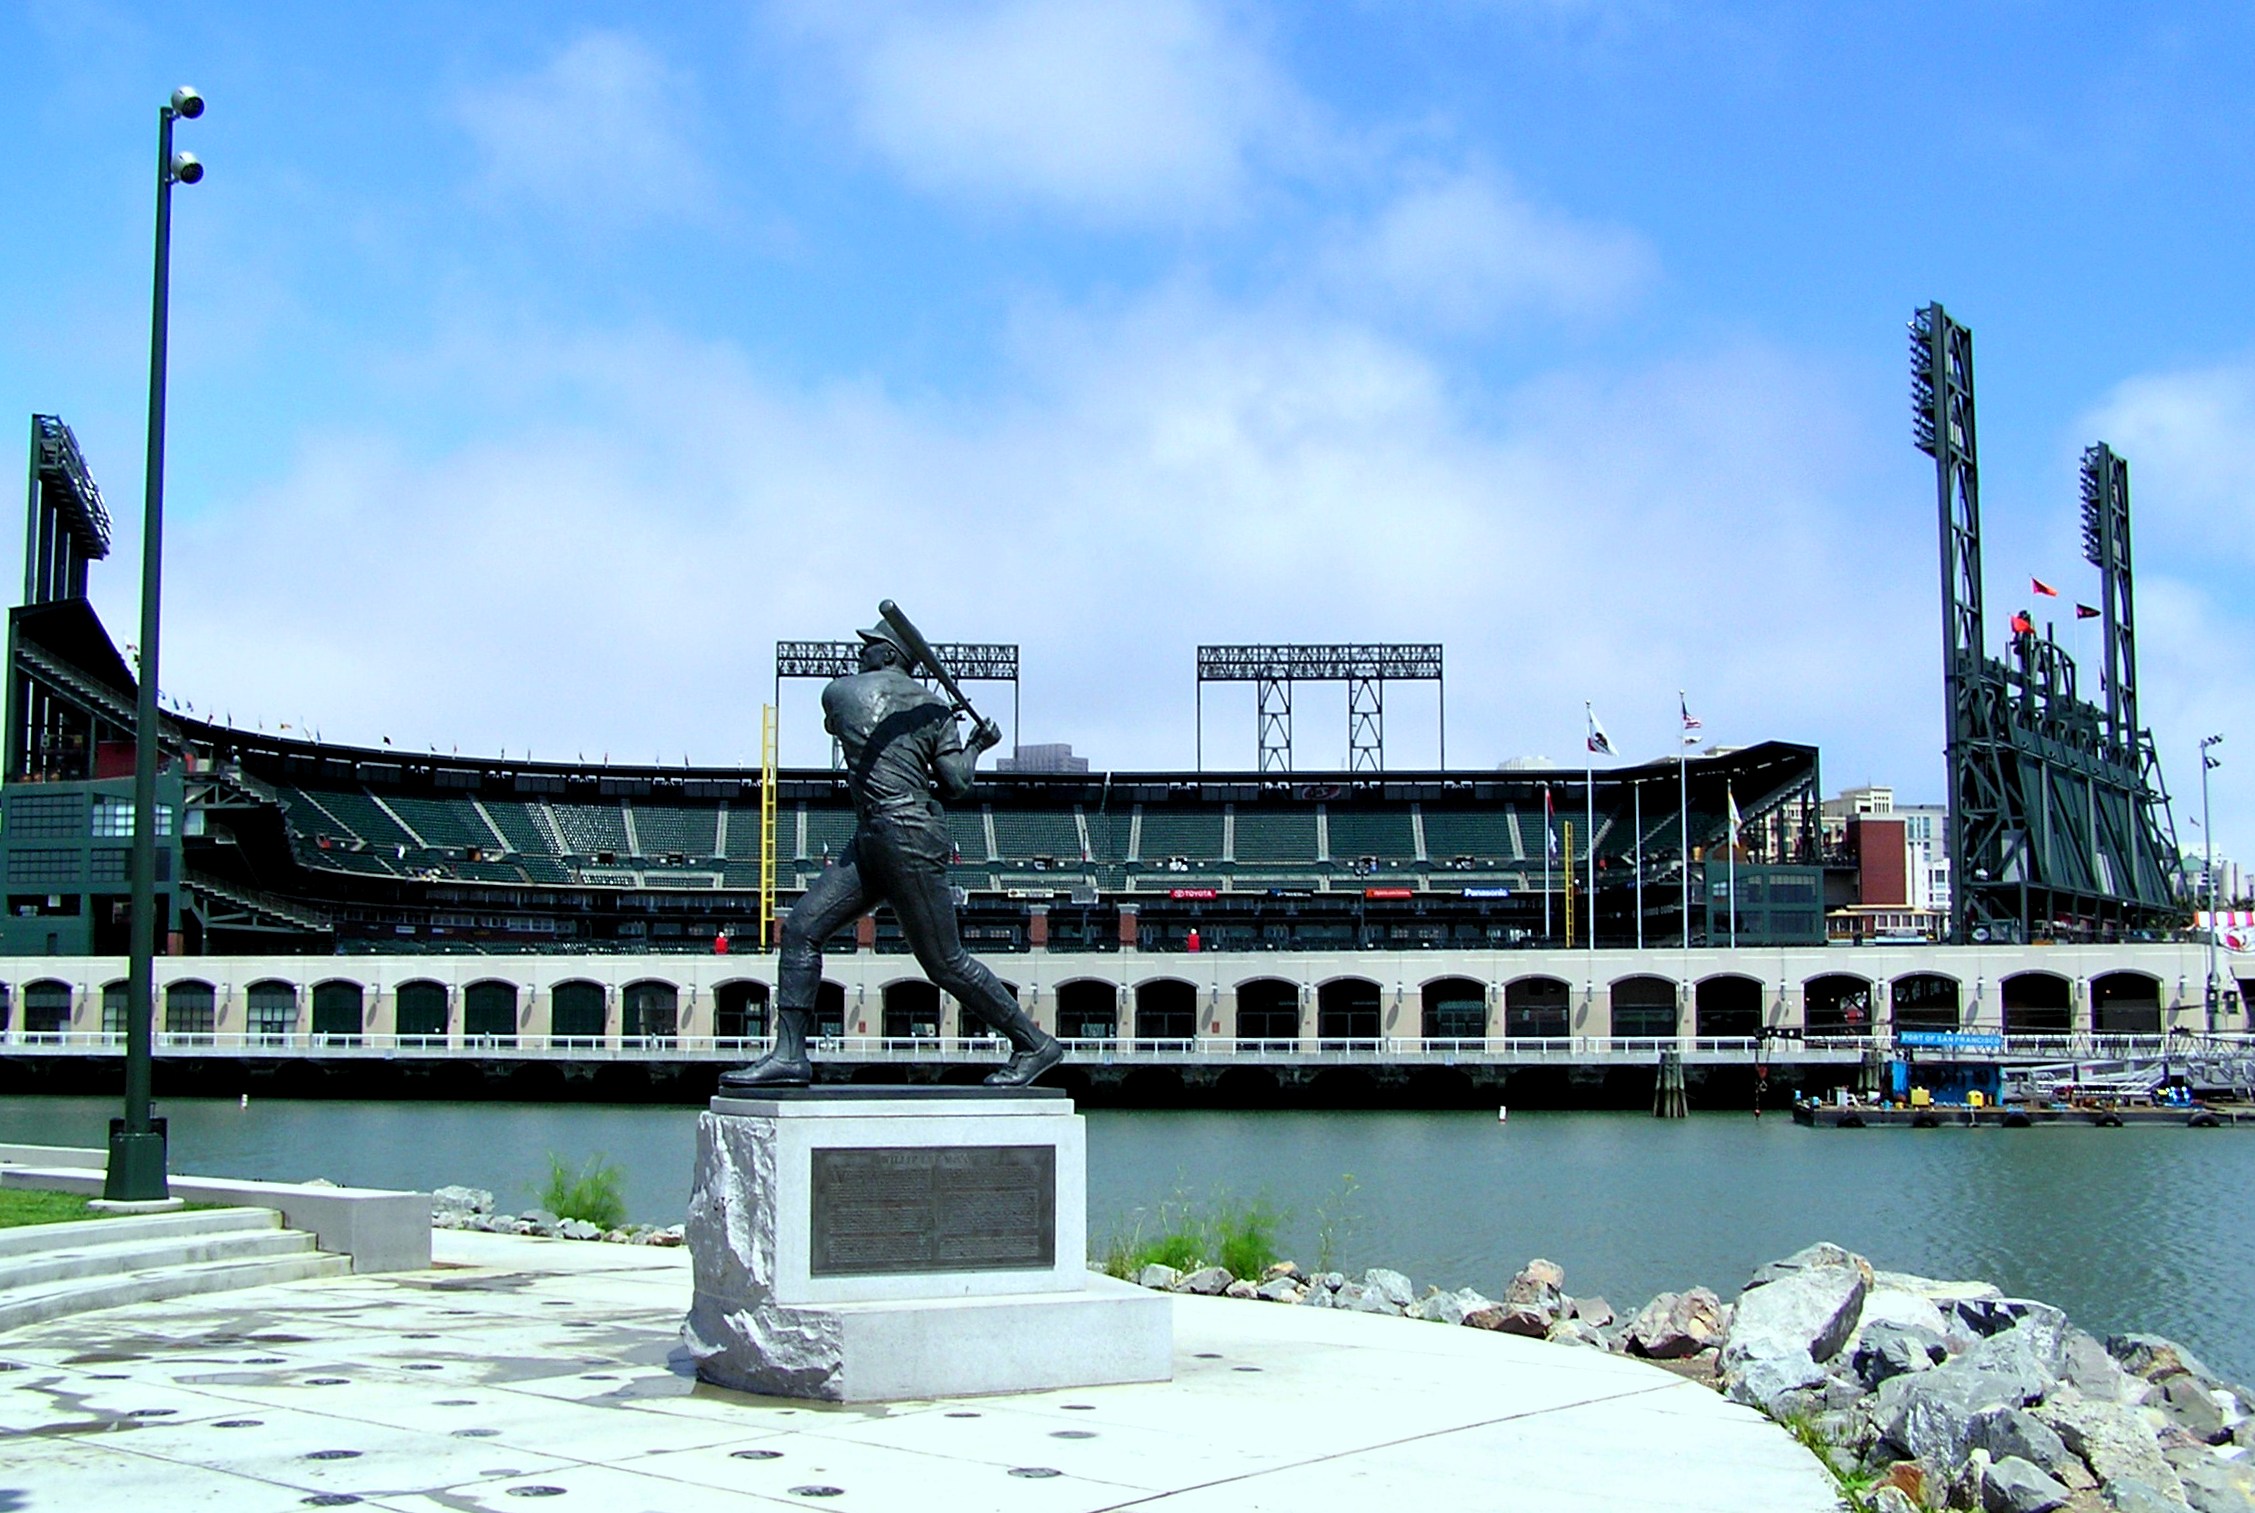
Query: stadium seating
(1267, 836)
(743, 832)
(827, 831)
(1482, 833)
(591, 829)
(1356, 833)
(1021, 833)
(967, 826)
(444, 823)
(353, 807)
(666, 831)
(544, 869)
(1194, 833)
(519, 828)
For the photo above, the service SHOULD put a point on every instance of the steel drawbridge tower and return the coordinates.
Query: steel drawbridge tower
(2059, 825)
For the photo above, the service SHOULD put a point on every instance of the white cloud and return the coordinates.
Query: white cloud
(603, 130)
(1461, 249)
(1181, 471)
(1118, 113)
(2190, 438)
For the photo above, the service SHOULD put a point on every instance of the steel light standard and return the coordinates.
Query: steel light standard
(2208, 764)
(137, 1155)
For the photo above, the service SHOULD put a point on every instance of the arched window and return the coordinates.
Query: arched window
(1088, 1009)
(1644, 1008)
(1837, 1004)
(1166, 1009)
(1455, 1008)
(576, 1011)
(1268, 1013)
(1728, 1008)
(1534, 1008)
(271, 1010)
(912, 1010)
(739, 1010)
(651, 1012)
(419, 1010)
(337, 1009)
(2122, 1003)
(2037, 1003)
(489, 1012)
(1924, 1001)
(46, 1007)
(117, 1001)
(190, 1008)
(1346, 1013)
(830, 1010)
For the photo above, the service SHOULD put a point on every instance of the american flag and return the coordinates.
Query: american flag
(1690, 721)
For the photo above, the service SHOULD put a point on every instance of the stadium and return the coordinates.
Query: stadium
(357, 919)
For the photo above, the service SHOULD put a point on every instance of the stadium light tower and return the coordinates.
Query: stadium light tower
(137, 1146)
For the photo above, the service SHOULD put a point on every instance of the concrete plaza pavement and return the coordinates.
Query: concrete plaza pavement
(522, 1373)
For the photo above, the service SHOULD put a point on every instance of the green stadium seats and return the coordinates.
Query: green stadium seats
(1357, 833)
(827, 831)
(668, 831)
(519, 828)
(1023, 833)
(1191, 833)
(446, 824)
(591, 829)
(1286, 835)
(1482, 833)
(353, 807)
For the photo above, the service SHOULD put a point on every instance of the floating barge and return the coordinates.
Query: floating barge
(1822, 1115)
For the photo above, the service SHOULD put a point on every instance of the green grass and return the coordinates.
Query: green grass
(1238, 1236)
(24, 1205)
(595, 1193)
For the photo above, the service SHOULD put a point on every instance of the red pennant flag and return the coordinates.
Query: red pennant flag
(2085, 612)
(2021, 624)
(2044, 588)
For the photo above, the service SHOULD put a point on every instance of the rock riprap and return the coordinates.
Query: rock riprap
(1919, 1393)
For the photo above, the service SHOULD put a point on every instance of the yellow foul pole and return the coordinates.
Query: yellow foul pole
(767, 827)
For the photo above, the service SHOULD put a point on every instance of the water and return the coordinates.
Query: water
(2147, 1229)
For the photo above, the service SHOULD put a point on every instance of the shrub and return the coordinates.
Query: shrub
(596, 1193)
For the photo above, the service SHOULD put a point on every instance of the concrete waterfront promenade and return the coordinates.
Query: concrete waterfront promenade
(522, 1372)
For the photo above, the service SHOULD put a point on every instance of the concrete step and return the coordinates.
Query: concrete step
(150, 1254)
(29, 1239)
(52, 1300)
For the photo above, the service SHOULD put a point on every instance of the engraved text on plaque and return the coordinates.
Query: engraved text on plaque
(891, 1209)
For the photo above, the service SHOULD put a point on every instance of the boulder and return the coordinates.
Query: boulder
(2113, 1441)
(1282, 1290)
(1161, 1277)
(1535, 1299)
(539, 1218)
(1367, 1299)
(1289, 1269)
(1890, 1500)
(1763, 1381)
(1811, 1311)
(2154, 1358)
(462, 1200)
(2191, 1405)
(1907, 1479)
(1240, 1289)
(1329, 1281)
(2015, 1433)
(1438, 1307)
(1931, 1414)
(1933, 1290)
(1576, 1332)
(2130, 1495)
(1208, 1281)
(1390, 1285)
(1895, 1305)
(2085, 1365)
(2013, 1485)
(2213, 1484)
(1676, 1325)
(1820, 1256)
(1593, 1311)
(578, 1229)
(1886, 1349)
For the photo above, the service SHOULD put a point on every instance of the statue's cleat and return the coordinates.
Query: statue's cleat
(771, 1071)
(1027, 1065)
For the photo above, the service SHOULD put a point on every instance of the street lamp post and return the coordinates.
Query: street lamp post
(137, 1141)
(2208, 764)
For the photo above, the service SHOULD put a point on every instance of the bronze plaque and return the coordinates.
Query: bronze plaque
(902, 1209)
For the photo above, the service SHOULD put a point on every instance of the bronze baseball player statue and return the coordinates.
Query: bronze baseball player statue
(903, 754)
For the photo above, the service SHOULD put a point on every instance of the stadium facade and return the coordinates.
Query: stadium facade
(533, 914)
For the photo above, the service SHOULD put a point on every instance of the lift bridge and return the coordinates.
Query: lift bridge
(2059, 825)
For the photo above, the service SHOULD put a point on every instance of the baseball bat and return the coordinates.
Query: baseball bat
(921, 650)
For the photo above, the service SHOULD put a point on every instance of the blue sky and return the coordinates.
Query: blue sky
(537, 367)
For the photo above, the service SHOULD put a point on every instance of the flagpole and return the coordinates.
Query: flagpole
(1638, 787)
(1683, 814)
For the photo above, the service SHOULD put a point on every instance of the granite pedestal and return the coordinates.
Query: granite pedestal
(870, 1244)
